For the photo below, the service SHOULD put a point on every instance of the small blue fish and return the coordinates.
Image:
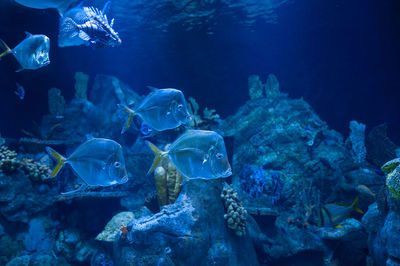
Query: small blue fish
(98, 162)
(331, 215)
(161, 110)
(19, 91)
(31, 53)
(60, 5)
(197, 154)
(87, 26)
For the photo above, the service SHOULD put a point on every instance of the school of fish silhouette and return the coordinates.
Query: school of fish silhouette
(197, 154)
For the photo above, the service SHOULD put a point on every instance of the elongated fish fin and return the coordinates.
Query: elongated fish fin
(5, 48)
(129, 119)
(355, 205)
(19, 69)
(28, 34)
(106, 7)
(59, 158)
(70, 27)
(158, 155)
(83, 35)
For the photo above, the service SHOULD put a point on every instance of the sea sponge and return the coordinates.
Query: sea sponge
(81, 85)
(235, 213)
(255, 87)
(56, 102)
(392, 168)
(272, 86)
(168, 182)
(357, 141)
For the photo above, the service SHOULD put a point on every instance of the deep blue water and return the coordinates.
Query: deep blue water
(340, 56)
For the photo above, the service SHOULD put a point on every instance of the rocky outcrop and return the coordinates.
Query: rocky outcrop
(192, 231)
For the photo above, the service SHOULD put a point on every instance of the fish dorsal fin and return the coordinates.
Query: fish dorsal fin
(153, 89)
(106, 7)
(112, 23)
(28, 34)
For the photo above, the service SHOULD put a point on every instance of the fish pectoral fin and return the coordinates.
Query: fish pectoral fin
(339, 226)
(83, 35)
(82, 187)
(19, 69)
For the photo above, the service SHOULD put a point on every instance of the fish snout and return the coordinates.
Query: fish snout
(228, 172)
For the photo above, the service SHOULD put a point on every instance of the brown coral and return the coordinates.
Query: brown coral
(235, 213)
(9, 163)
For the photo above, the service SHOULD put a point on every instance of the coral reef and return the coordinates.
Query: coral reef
(205, 121)
(392, 169)
(113, 227)
(271, 87)
(380, 149)
(81, 85)
(194, 221)
(255, 87)
(168, 182)
(235, 213)
(56, 102)
(9, 163)
(357, 142)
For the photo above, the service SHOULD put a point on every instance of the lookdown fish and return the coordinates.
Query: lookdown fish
(196, 154)
(31, 53)
(331, 215)
(162, 109)
(19, 91)
(87, 26)
(98, 162)
(60, 5)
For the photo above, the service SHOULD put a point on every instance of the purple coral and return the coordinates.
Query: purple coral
(256, 181)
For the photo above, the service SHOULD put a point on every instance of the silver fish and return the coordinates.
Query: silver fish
(161, 110)
(31, 53)
(196, 154)
(87, 26)
(60, 5)
(98, 162)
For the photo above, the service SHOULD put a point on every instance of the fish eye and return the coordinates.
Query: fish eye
(220, 156)
(117, 164)
(180, 106)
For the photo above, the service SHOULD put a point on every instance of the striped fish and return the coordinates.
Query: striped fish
(87, 25)
(331, 215)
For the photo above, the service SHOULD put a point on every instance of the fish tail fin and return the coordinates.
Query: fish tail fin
(129, 119)
(59, 158)
(355, 205)
(158, 155)
(5, 48)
